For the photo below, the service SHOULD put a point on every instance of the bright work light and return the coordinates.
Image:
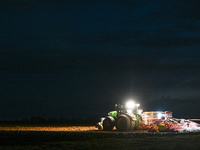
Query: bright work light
(130, 104)
(159, 115)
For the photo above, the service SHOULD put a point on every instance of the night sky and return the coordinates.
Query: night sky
(77, 58)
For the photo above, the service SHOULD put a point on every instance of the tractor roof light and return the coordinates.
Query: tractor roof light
(129, 111)
(130, 104)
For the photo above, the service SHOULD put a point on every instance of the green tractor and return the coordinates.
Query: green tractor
(124, 118)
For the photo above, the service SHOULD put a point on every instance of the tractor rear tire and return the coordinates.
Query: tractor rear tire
(108, 123)
(123, 123)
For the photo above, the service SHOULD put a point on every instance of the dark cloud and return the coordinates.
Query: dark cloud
(128, 2)
(171, 42)
(20, 5)
(115, 38)
(68, 61)
(188, 9)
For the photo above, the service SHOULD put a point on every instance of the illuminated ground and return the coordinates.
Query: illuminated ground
(71, 128)
(66, 129)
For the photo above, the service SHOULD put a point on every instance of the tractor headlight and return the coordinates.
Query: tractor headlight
(129, 111)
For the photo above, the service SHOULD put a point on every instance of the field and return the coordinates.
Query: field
(77, 137)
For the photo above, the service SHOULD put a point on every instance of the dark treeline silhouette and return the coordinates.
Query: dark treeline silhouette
(57, 121)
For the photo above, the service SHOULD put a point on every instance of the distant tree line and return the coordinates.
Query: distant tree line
(59, 121)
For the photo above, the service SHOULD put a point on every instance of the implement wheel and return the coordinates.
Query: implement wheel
(123, 123)
(108, 123)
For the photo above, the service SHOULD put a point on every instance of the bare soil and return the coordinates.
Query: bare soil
(89, 137)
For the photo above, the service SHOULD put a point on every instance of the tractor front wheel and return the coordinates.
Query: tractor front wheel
(108, 123)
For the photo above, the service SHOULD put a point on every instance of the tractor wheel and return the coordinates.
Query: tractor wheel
(108, 123)
(123, 123)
